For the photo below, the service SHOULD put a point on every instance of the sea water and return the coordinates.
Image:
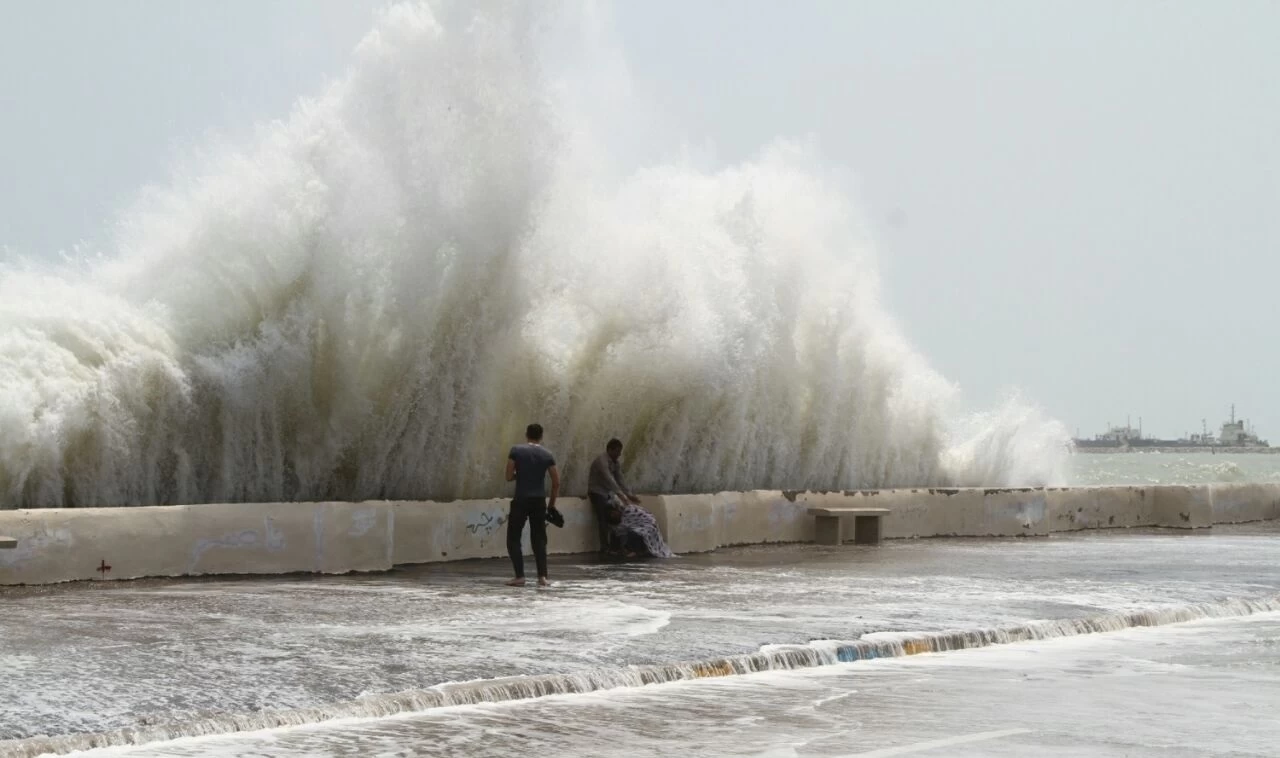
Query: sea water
(1173, 468)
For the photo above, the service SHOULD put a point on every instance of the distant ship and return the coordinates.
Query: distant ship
(1235, 435)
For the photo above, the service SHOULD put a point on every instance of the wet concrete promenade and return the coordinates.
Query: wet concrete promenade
(90, 658)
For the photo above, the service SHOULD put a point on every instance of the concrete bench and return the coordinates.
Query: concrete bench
(866, 524)
(7, 543)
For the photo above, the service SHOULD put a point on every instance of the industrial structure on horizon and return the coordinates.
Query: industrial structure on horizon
(1234, 434)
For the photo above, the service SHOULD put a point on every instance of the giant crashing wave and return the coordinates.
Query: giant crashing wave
(373, 298)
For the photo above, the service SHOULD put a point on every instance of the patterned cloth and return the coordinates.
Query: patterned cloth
(638, 521)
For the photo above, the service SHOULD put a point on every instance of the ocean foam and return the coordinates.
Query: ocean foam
(374, 298)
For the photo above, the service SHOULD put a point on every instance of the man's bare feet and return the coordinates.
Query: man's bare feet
(543, 582)
(517, 582)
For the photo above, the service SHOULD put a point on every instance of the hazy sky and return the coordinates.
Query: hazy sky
(1079, 199)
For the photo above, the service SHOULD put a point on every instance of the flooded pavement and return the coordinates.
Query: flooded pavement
(207, 656)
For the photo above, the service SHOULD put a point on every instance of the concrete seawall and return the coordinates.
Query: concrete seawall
(58, 545)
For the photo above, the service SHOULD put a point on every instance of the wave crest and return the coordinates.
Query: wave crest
(373, 299)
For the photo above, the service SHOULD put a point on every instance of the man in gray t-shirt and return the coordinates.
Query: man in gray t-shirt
(604, 480)
(528, 466)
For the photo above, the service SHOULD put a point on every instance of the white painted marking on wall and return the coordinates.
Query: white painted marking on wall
(391, 536)
(362, 522)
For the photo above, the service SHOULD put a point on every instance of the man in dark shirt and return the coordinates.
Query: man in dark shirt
(604, 480)
(528, 466)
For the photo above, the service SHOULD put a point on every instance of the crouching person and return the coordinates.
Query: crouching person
(625, 528)
(605, 485)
